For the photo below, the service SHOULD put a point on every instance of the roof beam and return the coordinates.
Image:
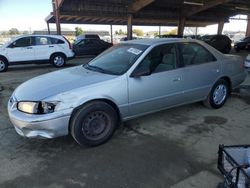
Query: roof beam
(138, 5)
(206, 6)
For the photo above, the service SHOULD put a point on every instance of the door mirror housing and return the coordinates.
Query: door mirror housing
(12, 45)
(141, 71)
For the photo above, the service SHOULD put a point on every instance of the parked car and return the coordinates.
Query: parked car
(220, 42)
(169, 36)
(126, 38)
(247, 62)
(30, 49)
(243, 44)
(128, 80)
(90, 46)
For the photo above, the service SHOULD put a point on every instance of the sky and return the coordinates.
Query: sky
(29, 15)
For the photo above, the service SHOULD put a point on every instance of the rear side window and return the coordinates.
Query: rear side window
(193, 53)
(43, 40)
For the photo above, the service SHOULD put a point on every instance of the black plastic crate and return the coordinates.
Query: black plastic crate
(233, 164)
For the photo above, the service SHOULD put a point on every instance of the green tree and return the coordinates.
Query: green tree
(120, 32)
(138, 32)
(13, 31)
(79, 31)
(172, 32)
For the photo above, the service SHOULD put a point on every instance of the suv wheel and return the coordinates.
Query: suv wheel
(58, 60)
(3, 65)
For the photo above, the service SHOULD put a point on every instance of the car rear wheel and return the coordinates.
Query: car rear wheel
(3, 65)
(218, 94)
(93, 124)
(58, 60)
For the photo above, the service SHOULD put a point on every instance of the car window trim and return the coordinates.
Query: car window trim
(177, 58)
(181, 56)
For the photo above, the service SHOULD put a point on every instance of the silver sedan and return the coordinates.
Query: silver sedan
(130, 79)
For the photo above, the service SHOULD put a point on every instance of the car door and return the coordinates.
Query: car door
(85, 47)
(201, 70)
(162, 88)
(43, 47)
(21, 49)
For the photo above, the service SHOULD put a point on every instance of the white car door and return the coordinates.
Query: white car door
(21, 50)
(43, 48)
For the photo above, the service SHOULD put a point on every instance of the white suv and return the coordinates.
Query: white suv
(54, 49)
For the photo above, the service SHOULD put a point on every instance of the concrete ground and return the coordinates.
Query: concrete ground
(174, 148)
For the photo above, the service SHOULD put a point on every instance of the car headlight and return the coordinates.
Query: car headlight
(40, 107)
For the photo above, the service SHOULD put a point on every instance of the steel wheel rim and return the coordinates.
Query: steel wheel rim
(2, 65)
(96, 125)
(58, 61)
(220, 94)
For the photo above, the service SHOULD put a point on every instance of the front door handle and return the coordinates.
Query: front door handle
(29, 47)
(177, 79)
(51, 46)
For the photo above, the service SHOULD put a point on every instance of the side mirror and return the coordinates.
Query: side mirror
(12, 45)
(141, 71)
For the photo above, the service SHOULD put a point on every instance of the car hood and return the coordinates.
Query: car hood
(57, 82)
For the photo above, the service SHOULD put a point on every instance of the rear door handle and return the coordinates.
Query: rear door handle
(29, 47)
(51, 46)
(216, 70)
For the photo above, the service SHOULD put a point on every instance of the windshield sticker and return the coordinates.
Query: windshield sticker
(134, 51)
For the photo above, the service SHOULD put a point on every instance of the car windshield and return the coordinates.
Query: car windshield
(246, 39)
(116, 60)
(207, 37)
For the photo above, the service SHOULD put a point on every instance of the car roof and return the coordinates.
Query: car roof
(37, 35)
(158, 41)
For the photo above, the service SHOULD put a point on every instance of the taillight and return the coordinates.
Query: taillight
(70, 46)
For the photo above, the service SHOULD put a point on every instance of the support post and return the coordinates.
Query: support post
(57, 16)
(181, 26)
(129, 27)
(220, 27)
(248, 26)
(196, 32)
(111, 34)
(48, 28)
(159, 30)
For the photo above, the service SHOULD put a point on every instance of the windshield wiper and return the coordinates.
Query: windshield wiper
(98, 69)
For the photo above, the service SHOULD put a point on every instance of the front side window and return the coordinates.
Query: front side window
(193, 53)
(23, 42)
(159, 59)
(117, 59)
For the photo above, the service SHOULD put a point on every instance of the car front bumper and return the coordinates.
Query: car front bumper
(39, 126)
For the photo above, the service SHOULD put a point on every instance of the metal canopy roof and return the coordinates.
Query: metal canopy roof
(148, 12)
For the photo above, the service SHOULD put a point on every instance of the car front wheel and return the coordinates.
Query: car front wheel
(218, 94)
(3, 65)
(94, 123)
(58, 60)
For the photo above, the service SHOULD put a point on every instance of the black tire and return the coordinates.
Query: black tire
(222, 90)
(227, 49)
(3, 65)
(58, 60)
(237, 49)
(93, 124)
